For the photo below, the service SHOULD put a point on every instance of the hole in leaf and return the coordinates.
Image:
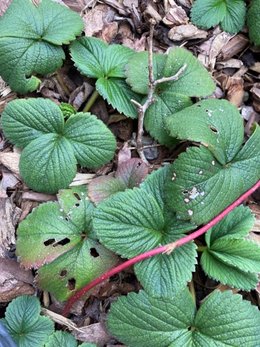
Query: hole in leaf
(185, 192)
(49, 242)
(77, 204)
(67, 218)
(63, 273)
(77, 196)
(62, 242)
(213, 129)
(94, 253)
(71, 284)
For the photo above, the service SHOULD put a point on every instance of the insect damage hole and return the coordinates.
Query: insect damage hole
(93, 252)
(77, 196)
(49, 242)
(62, 242)
(71, 284)
(63, 273)
(213, 129)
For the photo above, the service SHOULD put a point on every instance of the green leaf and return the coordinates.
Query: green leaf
(96, 59)
(216, 124)
(138, 319)
(48, 163)
(229, 257)
(229, 13)
(137, 70)
(203, 184)
(24, 323)
(61, 338)
(52, 148)
(194, 81)
(253, 21)
(64, 241)
(135, 221)
(30, 41)
(103, 187)
(93, 143)
(118, 94)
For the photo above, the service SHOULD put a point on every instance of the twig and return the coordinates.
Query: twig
(162, 249)
(141, 109)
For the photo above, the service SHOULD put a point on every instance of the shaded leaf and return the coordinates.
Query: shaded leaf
(253, 21)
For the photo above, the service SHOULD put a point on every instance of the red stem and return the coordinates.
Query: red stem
(162, 249)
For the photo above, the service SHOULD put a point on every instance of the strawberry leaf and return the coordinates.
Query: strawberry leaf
(253, 21)
(24, 323)
(173, 321)
(229, 257)
(30, 41)
(229, 13)
(63, 240)
(96, 59)
(135, 221)
(64, 339)
(52, 147)
(225, 170)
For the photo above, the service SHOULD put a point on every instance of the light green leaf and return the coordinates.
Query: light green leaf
(118, 94)
(106, 63)
(24, 323)
(48, 163)
(30, 41)
(26, 119)
(223, 319)
(135, 221)
(216, 124)
(253, 21)
(93, 144)
(52, 148)
(201, 186)
(194, 81)
(61, 338)
(166, 103)
(229, 13)
(137, 70)
(63, 240)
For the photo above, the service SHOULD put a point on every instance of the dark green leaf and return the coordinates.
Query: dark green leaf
(253, 21)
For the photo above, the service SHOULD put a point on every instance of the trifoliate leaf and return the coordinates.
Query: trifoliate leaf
(229, 257)
(253, 21)
(223, 319)
(106, 63)
(30, 41)
(135, 221)
(24, 323)
(52, 147)
(229, 13)
(207, 179)
(65, 242)
(129, 174)
(169, 97)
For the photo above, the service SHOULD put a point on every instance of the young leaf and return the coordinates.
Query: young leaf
(65, 242)
(96, 59)
(64, 339)
(169, 97)
(135, 221)
(229, 13)
(24, 323)
(138, 319)
(30, 41)
(207, 179)
(253, 21)
(128, 175)
(52, 147)
(229, 257)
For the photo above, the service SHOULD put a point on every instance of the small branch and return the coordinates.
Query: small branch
(162, 249)
(141, 109)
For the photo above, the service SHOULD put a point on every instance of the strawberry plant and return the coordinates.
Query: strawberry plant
(30, 41)
(53, 147)
(253, 21)
(170, 96)
(106, 63)
(58, 238)
(29, 329)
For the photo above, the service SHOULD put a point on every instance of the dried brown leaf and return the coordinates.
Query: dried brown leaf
(186, 32)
